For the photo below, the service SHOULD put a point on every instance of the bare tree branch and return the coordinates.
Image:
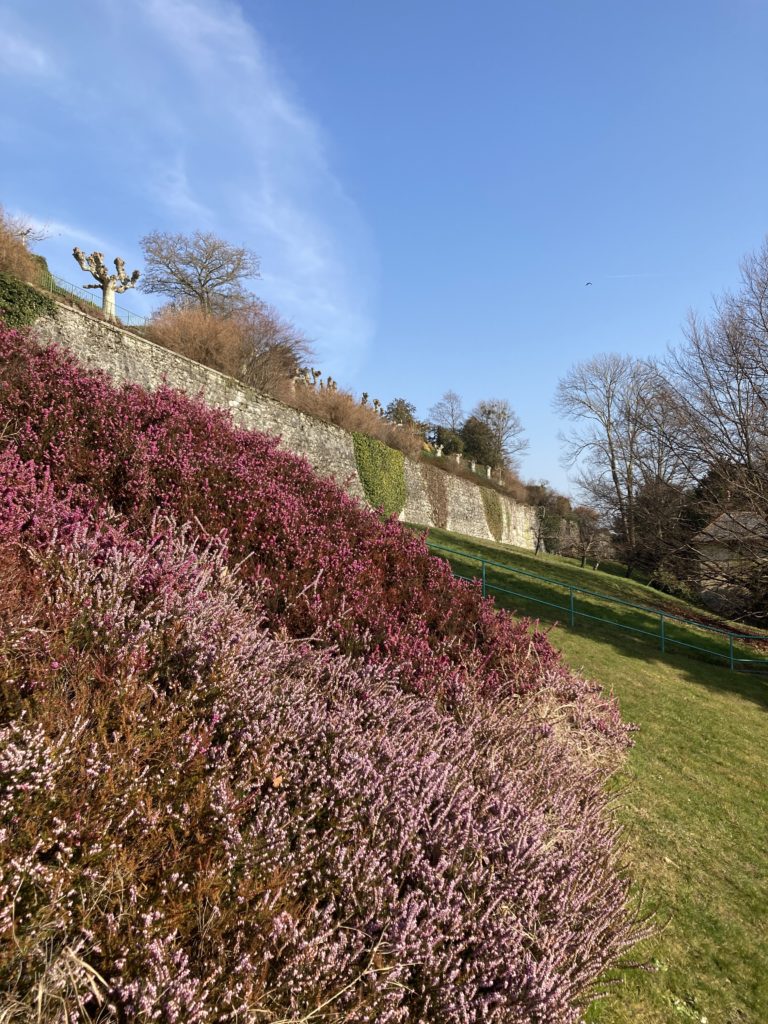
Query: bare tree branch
(199, 269)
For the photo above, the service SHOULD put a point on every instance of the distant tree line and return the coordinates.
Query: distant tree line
(673, 452)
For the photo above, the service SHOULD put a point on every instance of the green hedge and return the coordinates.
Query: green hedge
(382, 474)
(20, 304)
(493, 514)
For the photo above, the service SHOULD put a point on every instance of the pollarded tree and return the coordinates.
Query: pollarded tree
(198, 270)
(108, 283)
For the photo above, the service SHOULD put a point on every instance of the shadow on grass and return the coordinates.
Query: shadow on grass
(694, 669)
(632, 633)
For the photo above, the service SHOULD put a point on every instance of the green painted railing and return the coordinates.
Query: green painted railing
(58, 286)
(578, 603)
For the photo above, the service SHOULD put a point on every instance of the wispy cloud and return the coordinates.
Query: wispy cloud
(169, 181)
(174, 115)
(272, 182)
(19, 56)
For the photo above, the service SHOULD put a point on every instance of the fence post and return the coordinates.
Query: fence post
(730, 651)
(661, 631)
(571, 609)
(484, 580)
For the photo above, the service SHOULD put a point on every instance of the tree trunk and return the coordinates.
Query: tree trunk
(108, 300)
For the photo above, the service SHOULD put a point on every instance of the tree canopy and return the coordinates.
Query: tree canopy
(199, 269)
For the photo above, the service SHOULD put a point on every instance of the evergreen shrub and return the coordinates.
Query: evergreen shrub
(331, 569)
(20, 304)
(203, 821)
(277, 764)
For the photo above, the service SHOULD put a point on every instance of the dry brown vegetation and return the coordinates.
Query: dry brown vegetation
(210, 340)
(15, 257)
(252, 343)
(341, 408)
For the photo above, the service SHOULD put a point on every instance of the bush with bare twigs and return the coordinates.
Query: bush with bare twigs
(252, 343)
(334, 405)
(15, 257)
(208, 339)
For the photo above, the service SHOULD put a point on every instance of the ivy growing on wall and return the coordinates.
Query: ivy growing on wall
(21, 305)
(437, 492)
(493, 513)
(382, 474)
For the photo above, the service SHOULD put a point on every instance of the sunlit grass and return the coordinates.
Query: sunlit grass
(695, 805)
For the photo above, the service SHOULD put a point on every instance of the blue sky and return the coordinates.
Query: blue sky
(429, 184)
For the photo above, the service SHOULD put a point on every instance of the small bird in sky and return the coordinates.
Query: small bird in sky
(587, 284)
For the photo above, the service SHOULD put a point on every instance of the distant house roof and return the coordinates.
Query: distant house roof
(734, 530)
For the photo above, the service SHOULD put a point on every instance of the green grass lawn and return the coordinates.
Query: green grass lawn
(595, 595)
(694, 803)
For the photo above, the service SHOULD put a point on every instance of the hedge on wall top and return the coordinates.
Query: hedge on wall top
(21, 305)
(382, 474)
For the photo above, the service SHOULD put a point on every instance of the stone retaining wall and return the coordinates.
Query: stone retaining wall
(129, 358)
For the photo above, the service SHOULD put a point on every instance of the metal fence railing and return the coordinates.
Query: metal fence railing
(670, 632)
(58, 287)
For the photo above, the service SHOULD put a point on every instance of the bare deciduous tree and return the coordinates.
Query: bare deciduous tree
(26, 230)
(676, 455)
(200, 269)
(506, 428)
(585, 535)
(448, 412)
(275, 350)
(622, 442)
(717, 382)
(549, 509)
(15, 257)
(108, 283)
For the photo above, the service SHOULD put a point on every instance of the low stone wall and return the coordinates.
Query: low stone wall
(129, 358)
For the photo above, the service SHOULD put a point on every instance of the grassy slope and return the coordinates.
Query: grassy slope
(695, 805)
(534, 597)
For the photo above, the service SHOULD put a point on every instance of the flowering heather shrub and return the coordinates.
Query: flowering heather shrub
(326, 567)
(201, 821)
